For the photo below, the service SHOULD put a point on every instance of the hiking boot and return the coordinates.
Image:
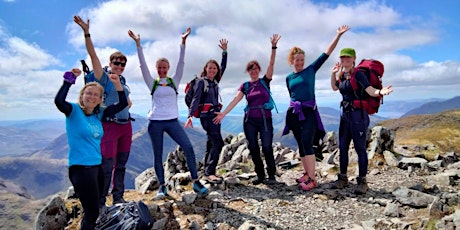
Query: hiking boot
(257, 180)
(162, 192)
(303, 178)
(200, 189)
(341, 182)
(119, 201)
(271, 180)
(361, 187)
(308, 185)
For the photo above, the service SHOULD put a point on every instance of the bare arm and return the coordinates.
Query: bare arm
(336, 39)
(220, 115)
(274, 40)
(373, 92)
(335, 70)
(97, 67)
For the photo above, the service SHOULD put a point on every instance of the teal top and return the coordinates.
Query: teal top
(301, 85)
(84, 135)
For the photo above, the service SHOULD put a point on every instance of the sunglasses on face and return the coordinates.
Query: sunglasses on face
(117, 63)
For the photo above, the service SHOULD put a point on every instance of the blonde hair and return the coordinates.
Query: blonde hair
(294, 50)
(82, 91)
(162, 59)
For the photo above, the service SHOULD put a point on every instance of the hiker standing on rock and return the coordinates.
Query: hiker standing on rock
(118, 132)
(302, 116)
(257, 116)
(164, 113)
(354, 122)
(206, 100)
(84, 133)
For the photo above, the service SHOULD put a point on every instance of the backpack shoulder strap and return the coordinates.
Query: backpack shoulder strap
(269, 93)
(155, 84)
(246, 88)
(171, 83)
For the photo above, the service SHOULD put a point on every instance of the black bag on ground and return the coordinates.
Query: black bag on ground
(125, 216)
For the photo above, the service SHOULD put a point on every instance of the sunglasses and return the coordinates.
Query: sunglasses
(117, 63)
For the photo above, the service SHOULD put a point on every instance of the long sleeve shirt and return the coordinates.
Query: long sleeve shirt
(164, 99)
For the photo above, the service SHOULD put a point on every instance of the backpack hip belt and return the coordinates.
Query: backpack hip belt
(262, 110)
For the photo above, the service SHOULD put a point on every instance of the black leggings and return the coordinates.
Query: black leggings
(87, 182)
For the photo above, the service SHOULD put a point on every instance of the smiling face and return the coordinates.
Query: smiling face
(91, 96)
(211, 70)
(253, 68)
(347, 62)
(298, 62)
(117, 66)
(162, 68)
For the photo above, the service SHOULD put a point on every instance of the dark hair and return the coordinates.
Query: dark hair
(118, 55)
(251, 65)
(204, 73)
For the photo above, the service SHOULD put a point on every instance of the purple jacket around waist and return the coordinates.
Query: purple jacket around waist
(297, 105)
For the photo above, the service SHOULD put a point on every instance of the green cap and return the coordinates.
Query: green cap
(347, 52)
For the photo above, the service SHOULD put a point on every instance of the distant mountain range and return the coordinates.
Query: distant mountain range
(35, 151)
(435, 107)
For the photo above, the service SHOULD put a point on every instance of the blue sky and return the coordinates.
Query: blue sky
(417, 42)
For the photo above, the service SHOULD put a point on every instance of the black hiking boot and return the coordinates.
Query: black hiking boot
(341, 182)
(361, 187)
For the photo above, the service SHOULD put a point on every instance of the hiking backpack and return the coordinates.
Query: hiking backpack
(131, 215)
(373, 70)
(269, 105)
(190, 90)
(109, 84)
(169, 82)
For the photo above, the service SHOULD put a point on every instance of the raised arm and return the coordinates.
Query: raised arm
(97, 67)
(180, 64)
(274, 40)
(335, 70)
(122, 100)
(223, 43)
(336, 39)
(69, 79)
(148, 79)
(220, 115)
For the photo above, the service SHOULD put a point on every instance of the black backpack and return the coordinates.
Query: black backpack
(124, 216)
(190, 90)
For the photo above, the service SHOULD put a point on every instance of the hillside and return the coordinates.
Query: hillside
(435, 107)
(440, 129)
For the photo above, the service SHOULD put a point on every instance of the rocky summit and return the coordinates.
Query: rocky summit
(408, 189)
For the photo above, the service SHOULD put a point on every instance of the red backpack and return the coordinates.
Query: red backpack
(373, 69)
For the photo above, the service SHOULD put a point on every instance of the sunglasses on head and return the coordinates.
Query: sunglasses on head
(117, 63)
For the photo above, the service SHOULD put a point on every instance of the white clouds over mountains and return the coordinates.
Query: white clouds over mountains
(30, 75)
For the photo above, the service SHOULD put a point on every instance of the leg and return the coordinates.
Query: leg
(177, 133)
(85, 183)
(109, 151)
(213, 132)
(124, 147)
(344, 141)
(266, 137)
(156, 129)
(251, 131)
(107, 169)
(359, 131)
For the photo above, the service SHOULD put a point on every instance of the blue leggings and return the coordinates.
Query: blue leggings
(177, 133)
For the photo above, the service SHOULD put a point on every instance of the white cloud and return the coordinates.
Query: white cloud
(377, 31)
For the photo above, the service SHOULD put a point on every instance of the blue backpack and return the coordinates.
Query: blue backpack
(269, 105)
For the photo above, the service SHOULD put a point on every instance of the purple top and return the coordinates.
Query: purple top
(256, 96)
